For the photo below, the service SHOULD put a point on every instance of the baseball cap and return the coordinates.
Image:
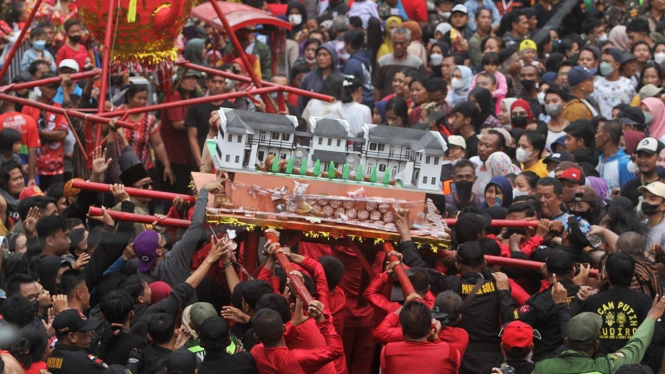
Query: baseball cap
(548, 77)
(528, 44)
(631, 116)
(214, 329)
(145, 249)
(579, 74)
(470, 253)
(572, 175)
(656, 188)
(199, 313)
(69, 63)
(518, 334)
(457, 140)
(627, 56)
(649, 146)
(460, 8)
(559, 262)
(634, 368)
(615, 53)
(558, 157)
(30, 192)
(563, 165)
(621, 202)
(586, 194)
(470, 224)
(71, 320)
(584, 327)
(649, 90)
(181, 361)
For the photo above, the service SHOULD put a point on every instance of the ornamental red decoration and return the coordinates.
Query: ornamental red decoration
(146, 30)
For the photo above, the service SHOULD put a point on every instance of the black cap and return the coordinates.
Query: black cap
(497, 212)
(558, 157)
(470, 254)
(133, 175)
(181, 361)
(214, 329)
(559, 262)
(469, 225)
(621, 202)
(631, 116)
(634, 369)
(71, 320)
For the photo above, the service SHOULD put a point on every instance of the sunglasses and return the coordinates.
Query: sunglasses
(147, 185)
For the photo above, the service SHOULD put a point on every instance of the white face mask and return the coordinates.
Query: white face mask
(522, 155)
(295, 18)
(457, 83)
(541, 98)
(436, 59)
(632, 168)
(551, 174)
(517, 192)
(445, 15)
(602, 38)
(659, 58)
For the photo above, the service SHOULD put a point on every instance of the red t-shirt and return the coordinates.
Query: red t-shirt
(307, 336)
(139, 137)
(51, 155)
(416, 10)
(26, 125)
(66, 52)
(423, 358)
(175, 141)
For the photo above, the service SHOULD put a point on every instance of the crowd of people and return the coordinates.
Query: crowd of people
(552, 112)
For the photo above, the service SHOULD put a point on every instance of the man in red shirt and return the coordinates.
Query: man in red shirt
(52, 130)
(418, 353)
(30, 142)
(73, 48)
(272, 356)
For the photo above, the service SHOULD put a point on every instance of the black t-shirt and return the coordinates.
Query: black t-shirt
(471, 146)
(124, 342)
(520, 366)
(199, 114)
(629, 190)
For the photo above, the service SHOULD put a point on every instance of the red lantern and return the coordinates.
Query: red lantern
(144, 31)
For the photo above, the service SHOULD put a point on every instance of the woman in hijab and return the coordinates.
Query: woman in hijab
(436, 53)
(387, 46)
(195, 51)
(462, 77)
(483, 99)
(632, 138)
(500, 164)
(504, 111)
(498, 192)
(297, 17)
(416, 46)
(619, 38)
(654, 116)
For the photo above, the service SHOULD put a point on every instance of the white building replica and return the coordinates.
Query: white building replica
(415, 157)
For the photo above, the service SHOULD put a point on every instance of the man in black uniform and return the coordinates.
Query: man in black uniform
(484, 307)
(70, 355)
(623, 310)
(540, 311)
(116, 307)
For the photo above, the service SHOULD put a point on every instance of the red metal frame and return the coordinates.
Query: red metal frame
(131, 191)
(19, 40)
(295, 283)
(407, 287)
(498, 223)
(140, 218)
(47, 81)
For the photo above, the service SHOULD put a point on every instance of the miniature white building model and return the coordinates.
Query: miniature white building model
(412, 156)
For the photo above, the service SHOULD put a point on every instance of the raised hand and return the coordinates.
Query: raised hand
(81, 261)
(99, 161)
(30, 222)
(118, 191)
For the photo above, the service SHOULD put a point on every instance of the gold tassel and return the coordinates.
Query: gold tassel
(131, 12)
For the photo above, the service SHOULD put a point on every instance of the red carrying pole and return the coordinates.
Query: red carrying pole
(523, 264)
(295, 283)
(241, 78)
(498, 223)
(131, 191)
(407, 287)
(19, 40)
(101, 105)
(181, 103)
(140, 218)
(47, 81)
(60, 110)
(239, 50)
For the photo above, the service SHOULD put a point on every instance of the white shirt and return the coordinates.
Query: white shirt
(356, 115)
(609, 94)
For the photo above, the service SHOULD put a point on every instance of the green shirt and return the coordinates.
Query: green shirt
(578, 362)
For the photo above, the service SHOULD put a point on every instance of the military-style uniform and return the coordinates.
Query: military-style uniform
(574, 362)
(615, 16)
(68, 359)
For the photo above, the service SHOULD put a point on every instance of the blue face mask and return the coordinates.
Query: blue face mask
(39, 44)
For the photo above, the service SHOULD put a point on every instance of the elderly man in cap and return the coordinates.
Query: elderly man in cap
(553, 160)
(581, 82)
(571, 179)
(582, 339)
(70, 355)
(631, 119)
(65, 68)
(611, 89)
(215, 337)
(198, 313)
(646, 158)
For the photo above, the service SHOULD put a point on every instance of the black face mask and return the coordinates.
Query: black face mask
(528, 84)
(35, 306)
(74, 38)
(463, 189)
(519, 121)
(649, 209)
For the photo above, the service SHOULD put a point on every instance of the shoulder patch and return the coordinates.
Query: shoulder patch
(618, 355)
(525, 309)
(97, 361)
(148, 226)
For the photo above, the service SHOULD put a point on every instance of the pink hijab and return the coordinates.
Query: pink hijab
(657, 109)
(619, 38)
